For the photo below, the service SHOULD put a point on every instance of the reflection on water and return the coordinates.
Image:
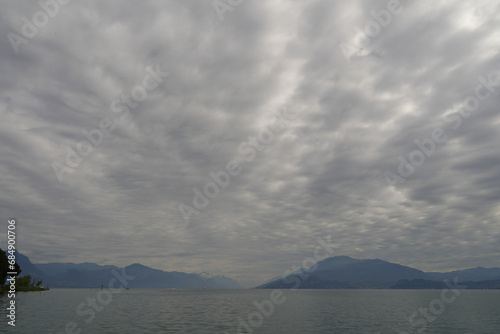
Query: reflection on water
(223, 311)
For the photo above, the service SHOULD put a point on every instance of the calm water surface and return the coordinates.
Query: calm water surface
(221, 311)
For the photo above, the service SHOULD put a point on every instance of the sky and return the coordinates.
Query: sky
(228, 136)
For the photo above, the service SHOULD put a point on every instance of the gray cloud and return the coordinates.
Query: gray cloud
(322, 175)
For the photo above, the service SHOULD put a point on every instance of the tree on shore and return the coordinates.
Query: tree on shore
(25, 283)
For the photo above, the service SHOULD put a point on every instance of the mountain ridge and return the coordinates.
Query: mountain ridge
(348, 273)
(92, 275)
(331, 273)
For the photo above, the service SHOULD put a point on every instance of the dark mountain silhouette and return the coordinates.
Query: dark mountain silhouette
(473, 274)
(368, 271)
(348, 273)
(28, 268)
(339, 272)
(92, 275)
(154, 278)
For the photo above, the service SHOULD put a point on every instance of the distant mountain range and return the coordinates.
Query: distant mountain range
(343, 272)
(338, 272)
(92, 275)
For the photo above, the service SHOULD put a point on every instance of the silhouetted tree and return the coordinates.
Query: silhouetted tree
(23, 282)
(4, 267)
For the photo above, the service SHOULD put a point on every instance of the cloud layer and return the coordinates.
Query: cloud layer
(323, 173)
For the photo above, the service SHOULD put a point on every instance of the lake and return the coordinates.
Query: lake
(254, 311)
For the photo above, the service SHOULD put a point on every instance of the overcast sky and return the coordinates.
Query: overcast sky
(306, 111)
